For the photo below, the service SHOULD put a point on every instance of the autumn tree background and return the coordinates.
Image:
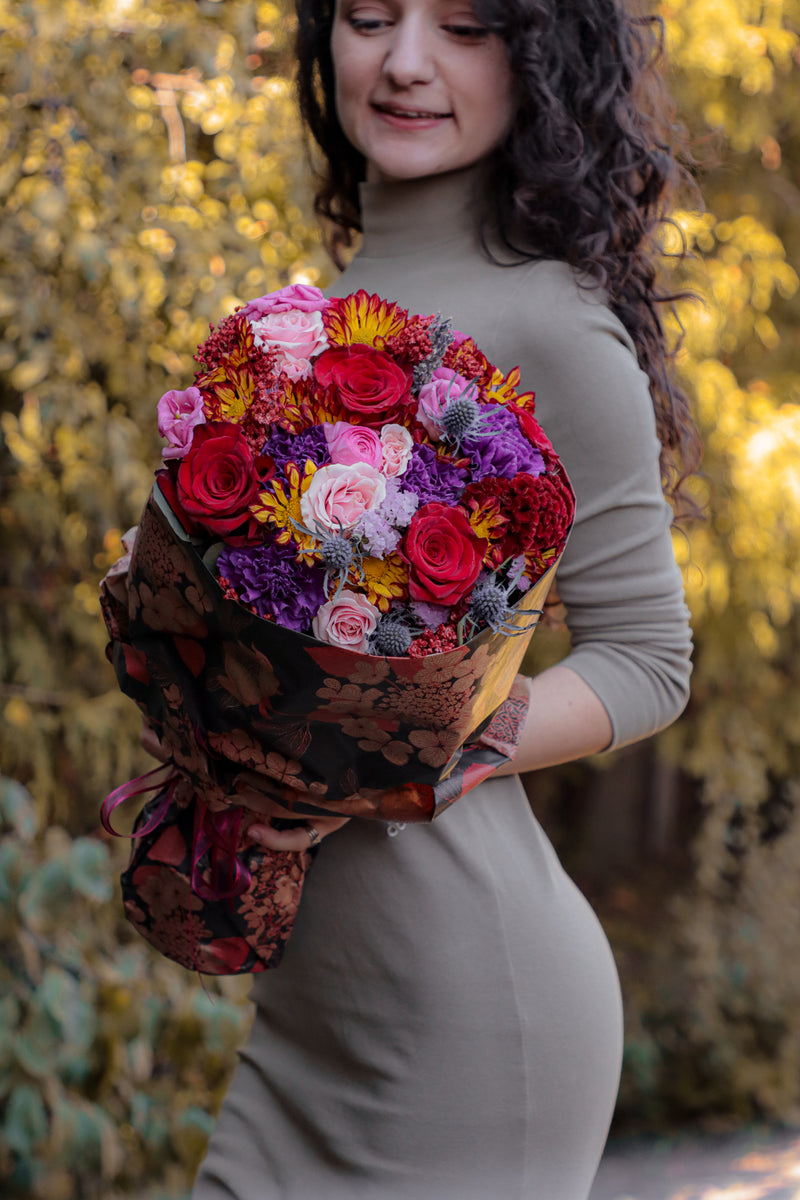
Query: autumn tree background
(153, 176)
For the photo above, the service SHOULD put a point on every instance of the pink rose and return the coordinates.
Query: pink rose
(295, 336)
(348, 444)
(396, 446)
(445, 385)
(297, 297)
(348, 621)
(178, 414)
(339, 495)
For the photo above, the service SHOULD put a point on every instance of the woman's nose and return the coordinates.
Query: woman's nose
(409, 58)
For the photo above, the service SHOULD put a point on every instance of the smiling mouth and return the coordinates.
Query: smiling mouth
(411, 114)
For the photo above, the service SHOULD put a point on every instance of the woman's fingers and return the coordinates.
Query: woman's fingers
(301, 837)
(262, 832)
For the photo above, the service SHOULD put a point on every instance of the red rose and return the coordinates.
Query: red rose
(217, 480)
(443, 553)
(368, 383)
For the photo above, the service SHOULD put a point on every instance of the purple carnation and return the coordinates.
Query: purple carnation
(431, 478)
(500, 448)
(269, 578)
(287, 447)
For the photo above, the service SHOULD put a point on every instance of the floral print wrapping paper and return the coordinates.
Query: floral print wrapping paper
(326, 730)
(239, 935)
(238, 701)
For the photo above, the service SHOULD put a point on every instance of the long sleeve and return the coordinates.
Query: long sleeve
(618, 579)
(629, 626)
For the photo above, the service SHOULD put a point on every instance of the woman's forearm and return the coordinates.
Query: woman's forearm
(565, 720)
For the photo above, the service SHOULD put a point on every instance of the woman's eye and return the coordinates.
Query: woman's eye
(474, 33)
(366, 24)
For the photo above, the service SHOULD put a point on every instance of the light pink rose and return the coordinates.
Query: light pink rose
(297, 297)
(347, 621)
(178, 414)
(295, 336)
(339, 495)
(350, 444)
(445, 385)
(396, 445)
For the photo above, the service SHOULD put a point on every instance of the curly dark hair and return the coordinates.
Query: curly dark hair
(593, 163)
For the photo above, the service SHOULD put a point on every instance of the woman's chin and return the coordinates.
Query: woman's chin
(404, 169)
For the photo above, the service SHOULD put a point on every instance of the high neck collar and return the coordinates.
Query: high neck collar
(413, 214)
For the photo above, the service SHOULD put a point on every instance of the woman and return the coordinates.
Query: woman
(446, 1023)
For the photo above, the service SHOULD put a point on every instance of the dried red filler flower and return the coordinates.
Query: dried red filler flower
(413, 345)
(433, 641)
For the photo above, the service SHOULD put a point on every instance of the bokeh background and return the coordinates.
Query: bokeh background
(152, 176)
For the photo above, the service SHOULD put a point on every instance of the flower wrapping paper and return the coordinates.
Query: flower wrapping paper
(240, 702)
(236, 935)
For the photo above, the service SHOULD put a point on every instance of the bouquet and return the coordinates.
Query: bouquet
(334, 580)
(363, 476)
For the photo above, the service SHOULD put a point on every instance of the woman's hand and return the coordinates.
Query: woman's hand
(263, 833)
(308, 833)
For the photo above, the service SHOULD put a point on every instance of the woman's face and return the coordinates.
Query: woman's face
(421, 86)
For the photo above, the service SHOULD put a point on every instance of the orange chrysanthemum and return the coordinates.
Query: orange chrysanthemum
(502, 389)
(227, 391)
(537, 564)
(238, 372)
(486, 519)
(385, 579)
(303, 404)
(365, 319)
(280, 507)
(469, 361)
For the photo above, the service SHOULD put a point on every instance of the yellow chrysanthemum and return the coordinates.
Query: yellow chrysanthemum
(303, 406)
(487, 521)
(537, 564)
(227, 392)
(385, 579)
(281, 507)
(365, 319)
(502, 389)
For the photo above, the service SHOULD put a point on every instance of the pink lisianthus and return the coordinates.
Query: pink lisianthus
(349, 444)
(178, 414)
(296, 336)
(445, 385)
(297, 297)
(348, 621)
(339, 495)
(396, 446)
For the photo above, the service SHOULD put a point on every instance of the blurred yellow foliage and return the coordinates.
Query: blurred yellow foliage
(151, 182)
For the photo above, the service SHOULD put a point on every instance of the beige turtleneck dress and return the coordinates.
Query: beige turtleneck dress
(446, 1023)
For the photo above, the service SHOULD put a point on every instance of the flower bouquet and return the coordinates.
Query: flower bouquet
(335, 577)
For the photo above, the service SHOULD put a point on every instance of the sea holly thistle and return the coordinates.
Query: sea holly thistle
(392, 635)
(491, 604)
(341, 556)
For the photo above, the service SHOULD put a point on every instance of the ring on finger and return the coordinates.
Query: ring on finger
(313, 835)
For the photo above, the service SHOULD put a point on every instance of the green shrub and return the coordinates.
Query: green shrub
(111, 1058)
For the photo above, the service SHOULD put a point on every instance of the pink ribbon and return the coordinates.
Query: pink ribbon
(139, 787)
(217, 832)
